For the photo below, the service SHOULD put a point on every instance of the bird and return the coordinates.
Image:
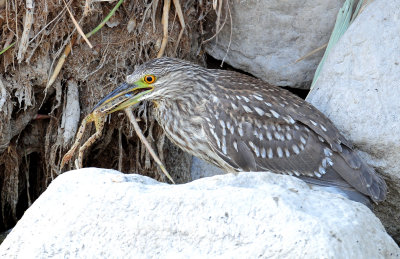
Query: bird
(240, 124)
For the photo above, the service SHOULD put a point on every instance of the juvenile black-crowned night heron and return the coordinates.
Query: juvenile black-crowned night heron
(240, 123)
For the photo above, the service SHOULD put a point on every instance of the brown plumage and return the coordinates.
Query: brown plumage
(240, 123)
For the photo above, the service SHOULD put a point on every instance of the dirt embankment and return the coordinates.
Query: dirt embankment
(34, 133)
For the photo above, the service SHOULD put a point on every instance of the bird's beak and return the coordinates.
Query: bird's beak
(123, 96)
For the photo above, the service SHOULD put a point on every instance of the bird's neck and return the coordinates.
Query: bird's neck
(179, 120)
(170, 113)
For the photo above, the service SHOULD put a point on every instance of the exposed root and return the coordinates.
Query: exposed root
(27, 28)
(71, 114)
(48, 24)
(3, 96)
(10, 182)
(27, 182)
(218, 27)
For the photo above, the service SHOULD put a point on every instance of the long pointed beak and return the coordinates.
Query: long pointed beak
(123, 96)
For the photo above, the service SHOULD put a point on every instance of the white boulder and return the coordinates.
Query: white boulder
(267, 37)
(92, 213)
(359, 90)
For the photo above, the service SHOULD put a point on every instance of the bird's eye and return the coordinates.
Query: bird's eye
(149, 79)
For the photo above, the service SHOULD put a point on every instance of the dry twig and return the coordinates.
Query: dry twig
(61, 62)
(311, 53)
(230, 36)
(167, 7)
(78, 28)
(217, 30)
(181, 20)
(120, 149)
(164, 22)
(132, 119)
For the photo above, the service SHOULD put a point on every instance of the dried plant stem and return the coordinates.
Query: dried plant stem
(132, 119)
(230, 36)
(27, 181)
(44, 27)
(181, 20)
(164, 21)
(78, 28)
(121, 153)
(61, 61)
(218, 17)
(69, 46)
(311, 53)
(218, 30)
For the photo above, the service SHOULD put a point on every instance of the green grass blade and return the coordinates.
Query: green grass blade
(105, 19)
(343, 20)
(9, 46)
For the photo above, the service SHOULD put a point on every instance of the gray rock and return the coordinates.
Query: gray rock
(92, 213)
(177, 162)
(269, 36)
(359, 90)
(200, 169)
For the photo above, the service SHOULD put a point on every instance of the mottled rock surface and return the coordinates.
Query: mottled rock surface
(269, 36)
(359, 90)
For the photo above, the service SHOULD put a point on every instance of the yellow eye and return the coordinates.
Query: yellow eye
(149, 79)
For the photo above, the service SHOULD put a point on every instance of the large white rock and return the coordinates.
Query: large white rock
(269, 36)
(359, 90)
(99, 213)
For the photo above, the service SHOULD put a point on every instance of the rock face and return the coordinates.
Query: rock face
(201, 169)
(102, 213)
(359, 90)
(269, 36)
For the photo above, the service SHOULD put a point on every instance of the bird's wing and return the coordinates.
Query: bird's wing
(267, 128)
(251, 139)
(346, 164)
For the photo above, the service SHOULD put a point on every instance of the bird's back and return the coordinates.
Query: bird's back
(254, 126)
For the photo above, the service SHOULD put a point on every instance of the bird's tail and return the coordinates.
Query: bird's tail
(332, 182)
(352, 177)
(359, 174)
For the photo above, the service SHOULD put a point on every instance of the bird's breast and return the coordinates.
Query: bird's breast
(183, 126)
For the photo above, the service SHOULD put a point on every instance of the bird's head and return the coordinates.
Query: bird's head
(156, 79)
